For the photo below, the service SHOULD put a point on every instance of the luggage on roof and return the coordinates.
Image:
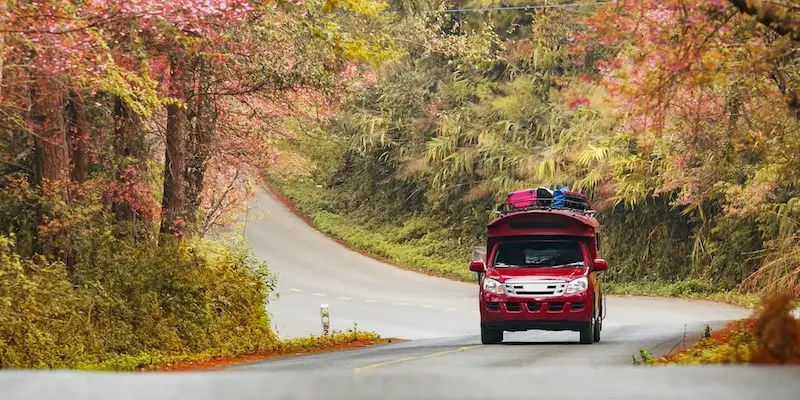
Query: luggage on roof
(528, 198)
(543, 197)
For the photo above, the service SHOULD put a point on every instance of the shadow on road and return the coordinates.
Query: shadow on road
(555, 343)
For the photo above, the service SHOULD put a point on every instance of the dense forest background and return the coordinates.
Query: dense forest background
(678, 118)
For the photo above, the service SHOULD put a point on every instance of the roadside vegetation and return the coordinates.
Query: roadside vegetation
(770, 336)
(213, 359)
(679, 120)
(131, 134)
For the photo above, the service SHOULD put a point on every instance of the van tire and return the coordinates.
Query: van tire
(597, 328)
(491, 336)
(587, 331)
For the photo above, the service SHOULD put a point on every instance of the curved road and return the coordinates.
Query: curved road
(446, 360)
(441, 315)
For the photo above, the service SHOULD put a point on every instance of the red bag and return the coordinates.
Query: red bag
(577, 200)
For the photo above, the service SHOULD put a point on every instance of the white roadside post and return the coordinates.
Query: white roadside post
(326, 320)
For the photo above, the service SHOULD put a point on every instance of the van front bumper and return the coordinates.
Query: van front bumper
(563, 313)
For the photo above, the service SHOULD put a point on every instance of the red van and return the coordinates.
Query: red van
(539, 270)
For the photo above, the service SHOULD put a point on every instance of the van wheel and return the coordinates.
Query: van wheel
(491, 336)
(587, 331)
(598, 326)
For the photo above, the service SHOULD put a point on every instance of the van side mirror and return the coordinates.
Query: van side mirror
(600, 264)
(477, 266)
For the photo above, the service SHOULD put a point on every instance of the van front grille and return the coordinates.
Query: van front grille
(538, 288)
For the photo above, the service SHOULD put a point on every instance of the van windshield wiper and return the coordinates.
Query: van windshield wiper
(572, 264)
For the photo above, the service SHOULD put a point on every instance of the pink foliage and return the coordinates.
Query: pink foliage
(670, 81)
(134, 190)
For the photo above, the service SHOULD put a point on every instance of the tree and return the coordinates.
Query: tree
(207, 84)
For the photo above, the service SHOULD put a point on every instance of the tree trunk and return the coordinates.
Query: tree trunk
(47, 115)
(204, 120)
(79, 134)
(50, 145)
(127, 133)
(173, 203)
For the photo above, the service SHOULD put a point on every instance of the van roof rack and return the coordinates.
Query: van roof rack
(546, 205)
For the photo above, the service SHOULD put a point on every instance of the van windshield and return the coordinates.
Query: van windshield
(538, 255)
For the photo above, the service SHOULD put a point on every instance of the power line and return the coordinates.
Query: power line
(528, 7)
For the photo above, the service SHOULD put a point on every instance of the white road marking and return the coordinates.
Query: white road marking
(319, 294)
(427, 306)
(401, 304)
(295, 290)
(344, 298)
(476, 312)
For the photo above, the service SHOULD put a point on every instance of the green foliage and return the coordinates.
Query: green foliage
(644, 358)
(332, 339)
(126, 298)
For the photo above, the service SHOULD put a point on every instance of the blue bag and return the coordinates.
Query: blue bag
(560, 197)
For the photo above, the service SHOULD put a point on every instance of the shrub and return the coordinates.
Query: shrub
(771, 336)
(123, 297)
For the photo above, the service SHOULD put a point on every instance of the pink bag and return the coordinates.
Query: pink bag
(521, 198)
(529, 198)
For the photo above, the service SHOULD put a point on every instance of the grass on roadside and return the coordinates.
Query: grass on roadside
(336, 340)
(688, 289)
(771, 336)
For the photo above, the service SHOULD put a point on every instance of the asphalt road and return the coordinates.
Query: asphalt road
(445, 359)
(551, 382)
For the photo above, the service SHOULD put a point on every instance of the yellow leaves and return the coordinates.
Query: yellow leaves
(373, 52)
(440, 147)
(137, 90)
(592, 154)
(546, 169)
(591, 180)
(373, 49)
(366, 7)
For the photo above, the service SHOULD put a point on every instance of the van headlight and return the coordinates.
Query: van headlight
(577, 286)
(492, 286)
